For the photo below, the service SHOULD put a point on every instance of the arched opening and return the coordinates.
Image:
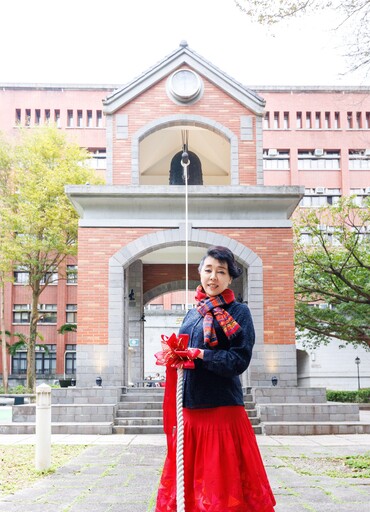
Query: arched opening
(156, 146)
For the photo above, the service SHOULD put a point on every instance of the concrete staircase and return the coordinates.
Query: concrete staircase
(140, 412)
(73, 411)
(305, 411)
(107, 410)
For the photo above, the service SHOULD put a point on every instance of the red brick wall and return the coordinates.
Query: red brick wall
(155, 275)
(95, 248)
(275, 248)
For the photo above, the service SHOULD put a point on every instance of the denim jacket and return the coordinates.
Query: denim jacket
(215, 381)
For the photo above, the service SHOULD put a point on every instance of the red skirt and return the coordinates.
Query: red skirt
(223, 468)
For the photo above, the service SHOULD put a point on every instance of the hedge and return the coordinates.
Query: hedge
(360, 396)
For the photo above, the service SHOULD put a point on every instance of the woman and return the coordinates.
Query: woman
(223, 469)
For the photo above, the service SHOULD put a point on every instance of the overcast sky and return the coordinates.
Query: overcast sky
(113, 41)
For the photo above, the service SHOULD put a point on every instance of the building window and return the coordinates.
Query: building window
(318, 159)
(266, 121)
(48, 313)
(320, 196)
(318, 120)
(21, 275)
(47, 116)
(359, 159)
(98, 160)
(276, 120)
(19, 362)
(21, 313)
(327, 124)
(28, 117)
(349, 120)
(178, 307)
(89, 118)
(286, 121)
(308, 120)
(358, 120)
(46, 360)
(367, 120)
(336, 120)
(18, 115)
(276, 160)
(37, 116)
(99, 119)
(70, 359)
(57, 118)
(155, 307)
(70, 118)
(299, 120)
(71, 274)
(79, 118)
(71, 313)
(360, 194)
(50, 278)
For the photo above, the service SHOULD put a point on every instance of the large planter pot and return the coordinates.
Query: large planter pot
(65, 383)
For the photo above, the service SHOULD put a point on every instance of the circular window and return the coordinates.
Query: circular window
(185, 85)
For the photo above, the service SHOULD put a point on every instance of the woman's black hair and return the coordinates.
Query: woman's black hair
(226, 256)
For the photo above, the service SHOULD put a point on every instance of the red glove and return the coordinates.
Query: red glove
(190, 353)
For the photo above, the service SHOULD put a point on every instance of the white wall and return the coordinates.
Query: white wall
(156, 324)
(333, 367)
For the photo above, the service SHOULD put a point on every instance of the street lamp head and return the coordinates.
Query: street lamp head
(357, 360)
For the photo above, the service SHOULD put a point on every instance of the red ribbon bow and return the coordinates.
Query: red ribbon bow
(175, 353)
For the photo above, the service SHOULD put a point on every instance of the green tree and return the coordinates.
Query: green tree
(332, 274)
(353, 16)
(6, 189)
(40, 216)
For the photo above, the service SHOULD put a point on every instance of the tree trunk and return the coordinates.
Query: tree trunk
(3, 338)
(31, 353)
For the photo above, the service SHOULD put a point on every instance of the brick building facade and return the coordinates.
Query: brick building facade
(261, 151)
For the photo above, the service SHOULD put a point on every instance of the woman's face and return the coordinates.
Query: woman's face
(214, 276)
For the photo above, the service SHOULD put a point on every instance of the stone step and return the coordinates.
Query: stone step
(137, 429)
(67, 413)
(153, 429)
(102, 428)
(137, 397)
(139, 405)
(127, 413)
(297, 412)
(140, 420)
(141, 390)
(301, 428)
(249, 406)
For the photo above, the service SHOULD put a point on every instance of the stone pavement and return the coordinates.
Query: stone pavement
(120, 473)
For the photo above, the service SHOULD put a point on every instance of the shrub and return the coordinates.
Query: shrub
(360, 396)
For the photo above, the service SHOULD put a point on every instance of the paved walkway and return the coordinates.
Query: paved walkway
(120, 473)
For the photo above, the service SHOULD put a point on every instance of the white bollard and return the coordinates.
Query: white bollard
(43, 427)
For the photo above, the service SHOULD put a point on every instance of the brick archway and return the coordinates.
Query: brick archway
(119, 263)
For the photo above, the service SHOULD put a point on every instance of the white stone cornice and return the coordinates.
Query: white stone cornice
(209, 206)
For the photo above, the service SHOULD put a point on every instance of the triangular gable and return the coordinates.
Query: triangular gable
(184, 56)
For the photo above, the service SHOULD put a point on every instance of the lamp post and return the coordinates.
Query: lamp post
(358, 361)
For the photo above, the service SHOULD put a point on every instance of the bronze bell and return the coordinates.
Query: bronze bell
(195, 175)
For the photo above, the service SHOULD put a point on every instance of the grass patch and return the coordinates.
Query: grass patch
(353, 466)
(17, 465)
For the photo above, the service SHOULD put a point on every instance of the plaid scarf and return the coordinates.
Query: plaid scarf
(211, 307)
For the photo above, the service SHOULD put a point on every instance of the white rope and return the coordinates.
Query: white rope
(180, 487)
